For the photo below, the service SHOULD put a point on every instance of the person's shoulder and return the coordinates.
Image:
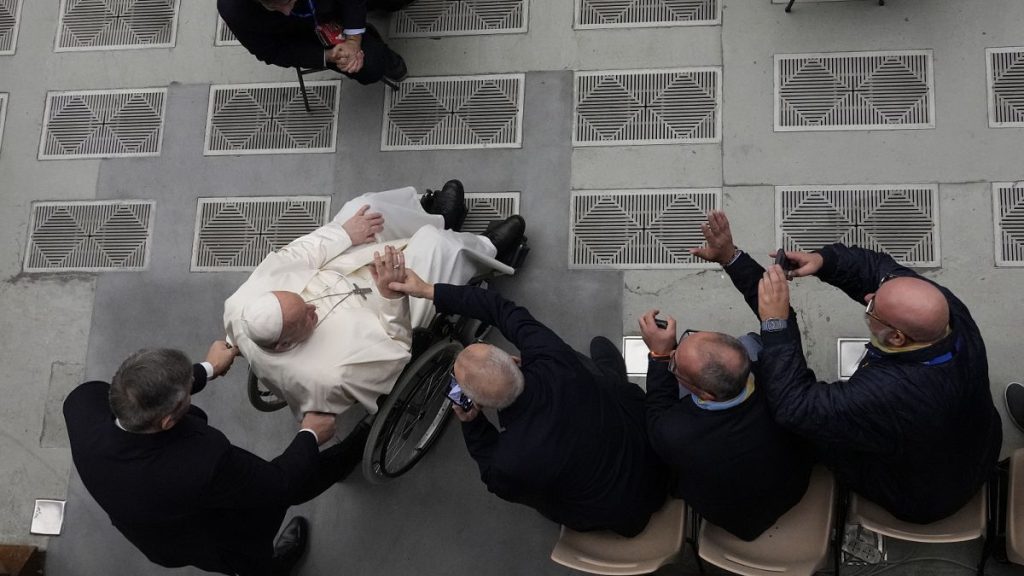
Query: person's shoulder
(89, 391)
(233, 9)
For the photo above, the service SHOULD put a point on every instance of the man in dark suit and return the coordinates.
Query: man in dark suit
(176, 487)
(285, 33)
(708, 416)
(573, 444)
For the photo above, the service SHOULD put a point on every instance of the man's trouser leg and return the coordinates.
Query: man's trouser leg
(378, 58)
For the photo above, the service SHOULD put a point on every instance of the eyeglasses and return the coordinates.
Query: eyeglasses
(869, 310)
(672, 355)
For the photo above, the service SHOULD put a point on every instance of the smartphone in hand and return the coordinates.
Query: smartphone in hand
(785, 263)
(456, 395)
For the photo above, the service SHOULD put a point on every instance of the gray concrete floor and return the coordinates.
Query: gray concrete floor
(60, 328)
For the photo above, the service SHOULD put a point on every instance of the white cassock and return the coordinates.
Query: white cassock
(361, 344)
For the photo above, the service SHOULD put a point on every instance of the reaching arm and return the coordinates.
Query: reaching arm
(482, 441)
(857, 271)
(244, 480)
(662, 391)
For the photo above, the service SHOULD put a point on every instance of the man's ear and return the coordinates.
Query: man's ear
(896, 339)
(167, 422)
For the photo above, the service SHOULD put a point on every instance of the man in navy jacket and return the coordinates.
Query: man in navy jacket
(176, 487)
(284, 33)
(914, 429)
(573, 443)
(708, 416)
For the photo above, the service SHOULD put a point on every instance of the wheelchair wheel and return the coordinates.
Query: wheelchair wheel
(413, 416)
(261, 397)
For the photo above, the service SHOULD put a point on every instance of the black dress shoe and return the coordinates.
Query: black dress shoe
(605, 354)
(291, 545)
(450, 202)
(506, 236)
(396, 70)
(1014, 396)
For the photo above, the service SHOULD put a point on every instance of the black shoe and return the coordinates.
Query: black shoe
(605, 354)
(506, 235)
(396, 70)
(1014, 396)
(291, 545)
(449, 202)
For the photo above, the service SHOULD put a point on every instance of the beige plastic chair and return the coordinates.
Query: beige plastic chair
(1015, 510)
(608, 553)
(797, 543)
(969, 523)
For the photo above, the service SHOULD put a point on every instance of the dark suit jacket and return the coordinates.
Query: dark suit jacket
(288, 40)
(185, 496)
(574, 445)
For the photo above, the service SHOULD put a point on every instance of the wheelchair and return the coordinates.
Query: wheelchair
(414, 415)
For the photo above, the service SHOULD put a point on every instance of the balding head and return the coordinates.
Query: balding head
(712, 365)
(489, 376)
(912, 306)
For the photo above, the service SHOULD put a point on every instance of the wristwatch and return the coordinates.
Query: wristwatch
(774, 324)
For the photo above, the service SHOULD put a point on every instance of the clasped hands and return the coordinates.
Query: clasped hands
(347, 56)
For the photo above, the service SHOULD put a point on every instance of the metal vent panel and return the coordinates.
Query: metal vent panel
(454, 112)
(854, 91)
(900, 220)
(103, 124)
(237, 233)
(3, 118)
(485, 207)
(645, 13)
(89, 236)
(272, 119)
(116, 24)
(1005, 87)
(1008, 206)
(432, 18)
(225, 37)
(673, 106)
(10, 16)
(622, 229)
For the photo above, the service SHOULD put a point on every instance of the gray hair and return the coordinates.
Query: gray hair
(149, 385)
(495, 380)
(720, 375)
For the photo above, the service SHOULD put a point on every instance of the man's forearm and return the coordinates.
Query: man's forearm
(857, 271)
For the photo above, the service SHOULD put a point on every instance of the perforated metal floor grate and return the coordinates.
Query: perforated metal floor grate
(116, 24)
(618, 229)
(677, 106)
(430, 18)
(454, 112)
(3, 118)
(237, 233)
(854, 91)
(1005, 87)
(272, 119)
(1008, 207)
(103, 123)
(89, 236)
(901, 220)
(10, 15)
(643, 13)
(225, 37)
(485, 207)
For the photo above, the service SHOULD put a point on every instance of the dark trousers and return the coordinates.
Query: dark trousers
(378, 59)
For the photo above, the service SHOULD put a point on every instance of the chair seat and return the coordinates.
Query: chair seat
(1015, 510)
(604, 552)
(966, 524)
(796, 545)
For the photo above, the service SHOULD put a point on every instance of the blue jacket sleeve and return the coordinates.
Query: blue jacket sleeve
(857, 271)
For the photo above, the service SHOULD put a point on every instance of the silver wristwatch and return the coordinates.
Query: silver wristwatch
(774, 324)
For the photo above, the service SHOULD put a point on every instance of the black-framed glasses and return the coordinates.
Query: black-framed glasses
(672, 355)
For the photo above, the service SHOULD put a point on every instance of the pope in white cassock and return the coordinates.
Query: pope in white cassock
(316, 320)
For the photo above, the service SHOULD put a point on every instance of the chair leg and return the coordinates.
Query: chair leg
(789, 7)
(842, 505)
(986, 551)
(302, 89)
(389, 84)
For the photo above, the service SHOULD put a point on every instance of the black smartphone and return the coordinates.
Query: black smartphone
(661, 323)
(456, 396)
(781, 260)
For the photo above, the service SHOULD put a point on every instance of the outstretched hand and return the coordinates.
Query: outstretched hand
(806, 263)
(414, 286)
(718, 237)
(363, 225)
(660, 341)
(221, 355)
(773, 294)
(387, 269)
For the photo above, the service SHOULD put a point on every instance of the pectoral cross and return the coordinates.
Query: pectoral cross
(361, 292)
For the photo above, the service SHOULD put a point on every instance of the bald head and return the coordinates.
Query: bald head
(913, 306)
(713, 365)
(488, 375)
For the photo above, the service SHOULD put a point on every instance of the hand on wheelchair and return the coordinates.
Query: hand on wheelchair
(388, 269)
(466, 415)
(414, 286)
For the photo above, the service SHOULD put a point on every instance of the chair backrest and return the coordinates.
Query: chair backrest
(796, 545)
(1015, 509)
(968, 523)
(608, 553)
